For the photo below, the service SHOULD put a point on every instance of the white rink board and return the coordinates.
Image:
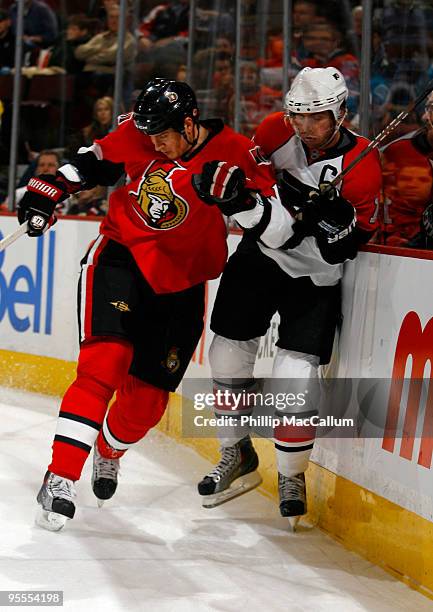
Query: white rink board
(38, 289)
(379, 290)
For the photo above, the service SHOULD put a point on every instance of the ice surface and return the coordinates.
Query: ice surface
(154, 548)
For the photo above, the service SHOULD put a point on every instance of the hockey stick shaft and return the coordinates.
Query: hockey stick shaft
(8, 240)
(382, 135)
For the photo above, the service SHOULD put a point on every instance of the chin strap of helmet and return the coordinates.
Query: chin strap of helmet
(337, 124)
(195, 139)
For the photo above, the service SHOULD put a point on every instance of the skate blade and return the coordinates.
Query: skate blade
(293, 523)
(52, 521)
(241, 485)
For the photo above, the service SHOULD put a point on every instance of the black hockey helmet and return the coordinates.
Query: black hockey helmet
(164, 104)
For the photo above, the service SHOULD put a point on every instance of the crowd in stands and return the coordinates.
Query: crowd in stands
(82, 47)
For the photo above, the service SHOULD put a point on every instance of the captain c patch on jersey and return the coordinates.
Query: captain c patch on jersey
(158, 204)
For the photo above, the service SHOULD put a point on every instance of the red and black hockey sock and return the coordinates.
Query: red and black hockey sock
(293, 447)
(103, 365)
(139, 406)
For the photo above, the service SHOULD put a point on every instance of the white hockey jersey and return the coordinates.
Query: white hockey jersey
(303, 168)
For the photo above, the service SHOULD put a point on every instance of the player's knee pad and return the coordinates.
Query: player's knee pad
(292, 365)
(294, 385)
(139, 406)
(141, 403)
(232, 358)
(296, 389)
(103, 365)
(232, 363)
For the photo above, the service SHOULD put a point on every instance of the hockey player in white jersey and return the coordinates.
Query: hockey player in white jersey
(308, 147)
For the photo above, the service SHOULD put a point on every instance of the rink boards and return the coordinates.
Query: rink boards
(373, 494)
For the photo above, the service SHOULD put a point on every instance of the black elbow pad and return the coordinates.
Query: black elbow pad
(96, 171)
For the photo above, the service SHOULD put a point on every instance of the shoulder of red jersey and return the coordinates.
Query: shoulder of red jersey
(402, 142)
(273, 133)
(361, 141)
(229, 136)
(236, 142)
(124, 117)
(372, 159)
(410, 149)
(125, 125)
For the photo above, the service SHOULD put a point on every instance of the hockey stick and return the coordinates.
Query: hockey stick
(381, 136)
(8, 240)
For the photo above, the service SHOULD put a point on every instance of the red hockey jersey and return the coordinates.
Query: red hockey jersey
(407, 186)
(176, 239)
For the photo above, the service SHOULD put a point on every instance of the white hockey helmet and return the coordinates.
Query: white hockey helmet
(315, 90)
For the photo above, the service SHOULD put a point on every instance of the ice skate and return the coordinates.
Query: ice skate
(104, 476)
(56, 500)
(234, 475)
(293, 501)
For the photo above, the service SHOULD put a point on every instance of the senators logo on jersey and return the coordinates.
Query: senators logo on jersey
(159, 205)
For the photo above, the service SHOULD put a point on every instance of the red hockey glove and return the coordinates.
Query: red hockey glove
(224, 185)
(43, 194)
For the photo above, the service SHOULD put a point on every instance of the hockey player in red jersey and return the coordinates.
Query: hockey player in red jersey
(308, 147)
(141, 289)
(408, 187)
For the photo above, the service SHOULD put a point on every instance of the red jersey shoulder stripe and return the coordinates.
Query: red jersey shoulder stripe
(273, 133)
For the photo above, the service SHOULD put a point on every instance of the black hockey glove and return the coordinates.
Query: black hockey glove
(327, 215)
(424, 238)
(37, 207)
(223, 185)
(293, 192)
(427, 221)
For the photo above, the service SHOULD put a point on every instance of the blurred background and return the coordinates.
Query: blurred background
(69, 67)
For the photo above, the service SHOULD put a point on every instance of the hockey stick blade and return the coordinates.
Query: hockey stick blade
(8, 240)
(382, 135)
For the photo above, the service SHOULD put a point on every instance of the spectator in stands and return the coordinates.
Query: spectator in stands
(210, 23)
(181, 74)
(379, 85)
(47, 162)
(400, 95)
(163, 23)
(324, 46)
(223, 44)
(7, 43)
(406, 23)
(355, 32)
(100, 126)
(99, 53)
(223, 85)
(305, 12)
(63, 52)
(100, 12)
(162, 40)
(257, 100)
(40, 24)
(91, 202)
(408, 184)
(223, 77)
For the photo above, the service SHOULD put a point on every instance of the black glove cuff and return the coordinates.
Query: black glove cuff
(245, 201)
